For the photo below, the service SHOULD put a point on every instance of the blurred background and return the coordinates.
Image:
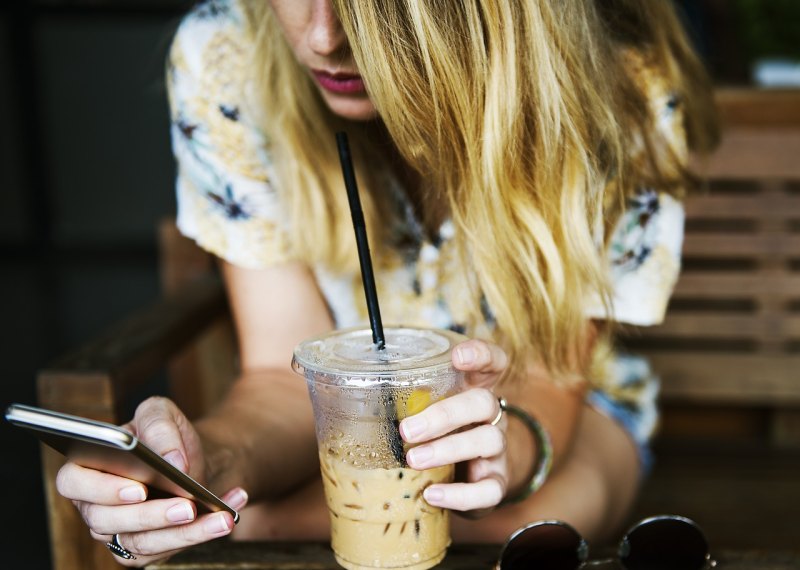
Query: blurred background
(86, 173)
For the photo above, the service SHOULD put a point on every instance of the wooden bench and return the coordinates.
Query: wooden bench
(728, 354)
(729, 350)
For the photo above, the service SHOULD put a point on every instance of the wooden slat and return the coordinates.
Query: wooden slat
(752, 207)
(732, 424)
(759, 108)
(87, 394)
(709, 325)
(737, 245)
(749, 153)
(786, 427)
(181, 261)
(735, 285)
(732, 378)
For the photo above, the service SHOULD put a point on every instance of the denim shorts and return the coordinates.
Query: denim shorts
(631, 402)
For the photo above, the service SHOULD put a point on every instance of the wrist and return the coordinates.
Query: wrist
(521, 451)
(223, 467)
(532, 442)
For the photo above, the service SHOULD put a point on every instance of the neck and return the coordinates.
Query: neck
(428, 209)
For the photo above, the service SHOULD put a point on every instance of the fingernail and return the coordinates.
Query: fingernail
(413, 427)
(132, 494)
(216, 524)
(419, 456)
(433, 495)
(466, 355)
(238, 500)
(181, 512)
(175, 458)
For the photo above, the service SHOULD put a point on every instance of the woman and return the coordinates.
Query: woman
(519, 164)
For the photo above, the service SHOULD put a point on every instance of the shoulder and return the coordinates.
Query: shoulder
(226, 200)
(212, 92)
(207, 34)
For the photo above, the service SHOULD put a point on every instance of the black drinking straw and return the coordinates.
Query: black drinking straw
(367, 276)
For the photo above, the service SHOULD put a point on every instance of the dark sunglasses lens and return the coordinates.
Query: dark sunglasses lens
(667, 543)
(548, 546)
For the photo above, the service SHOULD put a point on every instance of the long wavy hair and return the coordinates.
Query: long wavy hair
(518, 117)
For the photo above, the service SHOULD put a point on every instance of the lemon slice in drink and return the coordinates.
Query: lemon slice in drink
(418, 401)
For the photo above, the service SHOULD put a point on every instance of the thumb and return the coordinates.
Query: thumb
(483, 362)
(157, 423)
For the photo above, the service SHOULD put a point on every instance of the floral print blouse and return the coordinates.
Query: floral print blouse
(227, 204)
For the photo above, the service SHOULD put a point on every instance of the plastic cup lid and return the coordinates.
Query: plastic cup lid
(348, 356)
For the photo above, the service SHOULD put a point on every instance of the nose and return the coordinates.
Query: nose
(325, 36)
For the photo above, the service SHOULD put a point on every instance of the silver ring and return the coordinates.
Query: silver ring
(118, 550)
(500, 412)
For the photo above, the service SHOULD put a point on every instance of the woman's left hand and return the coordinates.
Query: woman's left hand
(481, 445)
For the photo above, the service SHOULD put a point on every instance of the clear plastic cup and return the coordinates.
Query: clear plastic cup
(379, 518)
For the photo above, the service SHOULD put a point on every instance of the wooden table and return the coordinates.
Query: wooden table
(228, 555)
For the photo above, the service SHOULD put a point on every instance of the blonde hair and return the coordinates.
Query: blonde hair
(300, 129)
(516, 115)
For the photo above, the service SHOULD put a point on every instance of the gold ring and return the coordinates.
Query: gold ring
(502, 402)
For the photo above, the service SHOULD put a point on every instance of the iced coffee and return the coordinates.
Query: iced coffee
(379, 518)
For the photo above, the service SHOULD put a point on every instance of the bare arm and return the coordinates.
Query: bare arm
(498, 461)
(596, 471)
(557, 407)
(262, 435)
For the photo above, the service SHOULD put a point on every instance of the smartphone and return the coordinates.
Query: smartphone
(110, 448)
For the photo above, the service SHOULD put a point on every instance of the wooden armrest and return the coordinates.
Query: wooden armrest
(93, 380)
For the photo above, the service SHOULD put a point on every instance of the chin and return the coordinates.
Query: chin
(351, 108)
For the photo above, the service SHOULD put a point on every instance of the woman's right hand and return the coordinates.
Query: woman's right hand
(156, 529)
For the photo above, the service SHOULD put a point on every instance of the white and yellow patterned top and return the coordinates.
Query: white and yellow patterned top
(227, 204)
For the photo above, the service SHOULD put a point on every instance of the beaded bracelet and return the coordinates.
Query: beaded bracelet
(544, 454)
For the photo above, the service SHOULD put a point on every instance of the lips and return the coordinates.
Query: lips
(340, 83)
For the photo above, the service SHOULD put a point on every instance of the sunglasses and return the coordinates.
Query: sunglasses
(666, 542)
